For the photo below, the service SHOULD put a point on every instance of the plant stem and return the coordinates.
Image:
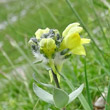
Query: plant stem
(57, 83)
(55, 79)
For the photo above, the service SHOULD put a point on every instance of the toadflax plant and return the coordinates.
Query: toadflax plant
(55, 48)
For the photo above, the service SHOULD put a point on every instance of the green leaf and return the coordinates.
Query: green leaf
(81, 97)
(87, 87)
(107, 106)
(75, 93)
(43, 95)
(60, 98)
(46, 85)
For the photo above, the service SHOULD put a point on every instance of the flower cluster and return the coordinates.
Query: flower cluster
(55, 47)
(49, 41)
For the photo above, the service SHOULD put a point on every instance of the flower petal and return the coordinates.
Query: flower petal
(47, 45)
(40, 32)
(76, 29)
(72, 41)
(79, 50)
(65, 32)
(85, 41)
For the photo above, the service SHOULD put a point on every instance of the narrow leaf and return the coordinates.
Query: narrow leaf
(46, 85)
(75, 93)
(43, 95)
(60, 98)
(87, 87)
(107, 107)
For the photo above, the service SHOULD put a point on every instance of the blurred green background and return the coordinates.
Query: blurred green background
(19, 19)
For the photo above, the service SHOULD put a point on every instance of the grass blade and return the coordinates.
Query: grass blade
(51, 14)
(87, 87)
(14, 44)
(107, 106)
(100, 25)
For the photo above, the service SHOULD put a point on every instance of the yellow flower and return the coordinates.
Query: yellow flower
(48, 46)
(40, 32)
(72, 39)
(72, 28)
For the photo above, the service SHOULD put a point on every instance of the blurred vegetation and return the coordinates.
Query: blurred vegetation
(19, 19)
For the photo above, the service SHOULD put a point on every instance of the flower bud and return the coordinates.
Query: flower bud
(33, 43)
(40, 32)
(47, 46)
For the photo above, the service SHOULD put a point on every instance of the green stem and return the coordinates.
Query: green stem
(55, 79)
